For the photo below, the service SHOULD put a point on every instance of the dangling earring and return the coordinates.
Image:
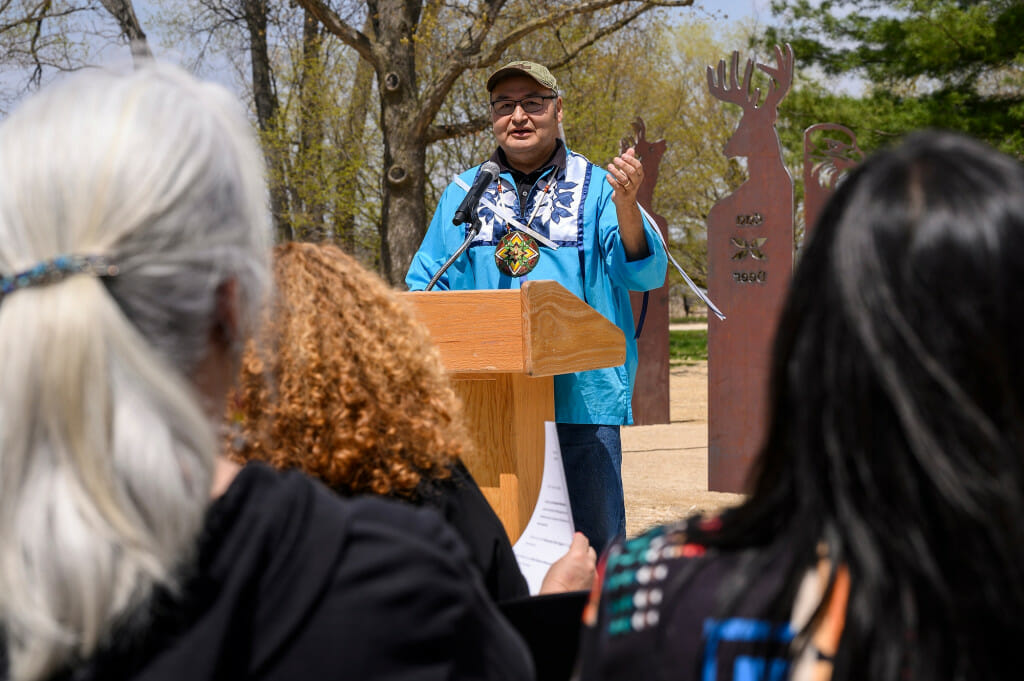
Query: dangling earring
(231, 429)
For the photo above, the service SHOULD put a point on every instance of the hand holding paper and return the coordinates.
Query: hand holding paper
(550, 533)
(575, 571)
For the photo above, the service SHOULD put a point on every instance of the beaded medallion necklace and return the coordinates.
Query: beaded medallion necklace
(517, 252)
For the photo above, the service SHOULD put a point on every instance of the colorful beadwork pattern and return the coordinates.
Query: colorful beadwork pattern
(517, 254)
(57, 269)
(638, 599)
(640, 567)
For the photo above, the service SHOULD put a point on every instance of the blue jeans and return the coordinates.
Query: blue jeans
(592, 456)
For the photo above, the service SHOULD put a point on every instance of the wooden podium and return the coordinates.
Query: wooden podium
(502, 349)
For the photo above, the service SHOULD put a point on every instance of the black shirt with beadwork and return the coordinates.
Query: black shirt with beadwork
(664, 607)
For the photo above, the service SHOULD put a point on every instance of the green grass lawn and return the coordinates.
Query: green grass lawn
(687, 346)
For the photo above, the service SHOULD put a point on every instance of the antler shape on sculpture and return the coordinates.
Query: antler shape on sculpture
(782, 77)
(739, 92)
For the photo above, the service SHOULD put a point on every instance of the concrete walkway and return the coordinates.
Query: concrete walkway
(664, 467)
(688, 326)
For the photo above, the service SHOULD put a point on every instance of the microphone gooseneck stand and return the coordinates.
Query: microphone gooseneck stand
(471, 233)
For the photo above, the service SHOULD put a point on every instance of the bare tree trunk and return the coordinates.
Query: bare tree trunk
(403, 216)
(353, 130)
(403, 219)
(311, 130)
(124, 13)
(266, 111)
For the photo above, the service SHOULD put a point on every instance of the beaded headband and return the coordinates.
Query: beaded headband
(57, 269)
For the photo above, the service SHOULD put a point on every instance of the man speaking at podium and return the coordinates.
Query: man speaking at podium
(551, 214)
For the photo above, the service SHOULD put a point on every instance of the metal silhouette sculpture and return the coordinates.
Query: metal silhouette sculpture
(750, 261)
(830, 151)
(651, 390)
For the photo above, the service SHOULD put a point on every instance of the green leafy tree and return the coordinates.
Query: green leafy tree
(952, 64)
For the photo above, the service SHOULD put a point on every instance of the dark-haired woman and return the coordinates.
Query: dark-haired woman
(882, 537)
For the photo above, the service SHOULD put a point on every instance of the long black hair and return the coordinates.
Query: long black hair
(896, 427)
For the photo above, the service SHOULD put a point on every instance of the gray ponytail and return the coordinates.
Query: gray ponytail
(106, 454)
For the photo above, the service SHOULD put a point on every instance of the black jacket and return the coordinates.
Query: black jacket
(464, 506)
(293, 582)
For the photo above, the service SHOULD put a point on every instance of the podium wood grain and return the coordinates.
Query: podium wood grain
(502, 349)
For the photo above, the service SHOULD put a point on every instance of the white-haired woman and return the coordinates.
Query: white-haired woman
(133, 255)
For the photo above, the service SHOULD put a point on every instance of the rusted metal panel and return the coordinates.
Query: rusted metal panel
(651, 390)
(830, 151)
(750, 262)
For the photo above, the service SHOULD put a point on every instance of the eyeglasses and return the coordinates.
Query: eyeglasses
(531, 105)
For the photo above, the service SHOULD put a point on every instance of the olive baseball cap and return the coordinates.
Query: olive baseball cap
(523, 68)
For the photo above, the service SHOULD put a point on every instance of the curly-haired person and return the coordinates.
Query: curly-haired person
(345, 385)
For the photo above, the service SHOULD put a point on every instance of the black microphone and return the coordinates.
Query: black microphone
(488, 174)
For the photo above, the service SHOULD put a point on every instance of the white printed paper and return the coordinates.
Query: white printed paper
(549, 533)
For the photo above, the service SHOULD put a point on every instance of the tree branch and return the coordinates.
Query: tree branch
(36, 14)
(344, 31)
(552, 19)
(485, 20)
(433, 93)
(124, 14)
(37, 72)
(436, 133)
(595, 35)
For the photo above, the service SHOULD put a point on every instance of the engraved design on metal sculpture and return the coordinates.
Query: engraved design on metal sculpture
(751, 220)
(752, 229)
(750, 247)
(759, 276)
(651, 389)
(830, 151)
